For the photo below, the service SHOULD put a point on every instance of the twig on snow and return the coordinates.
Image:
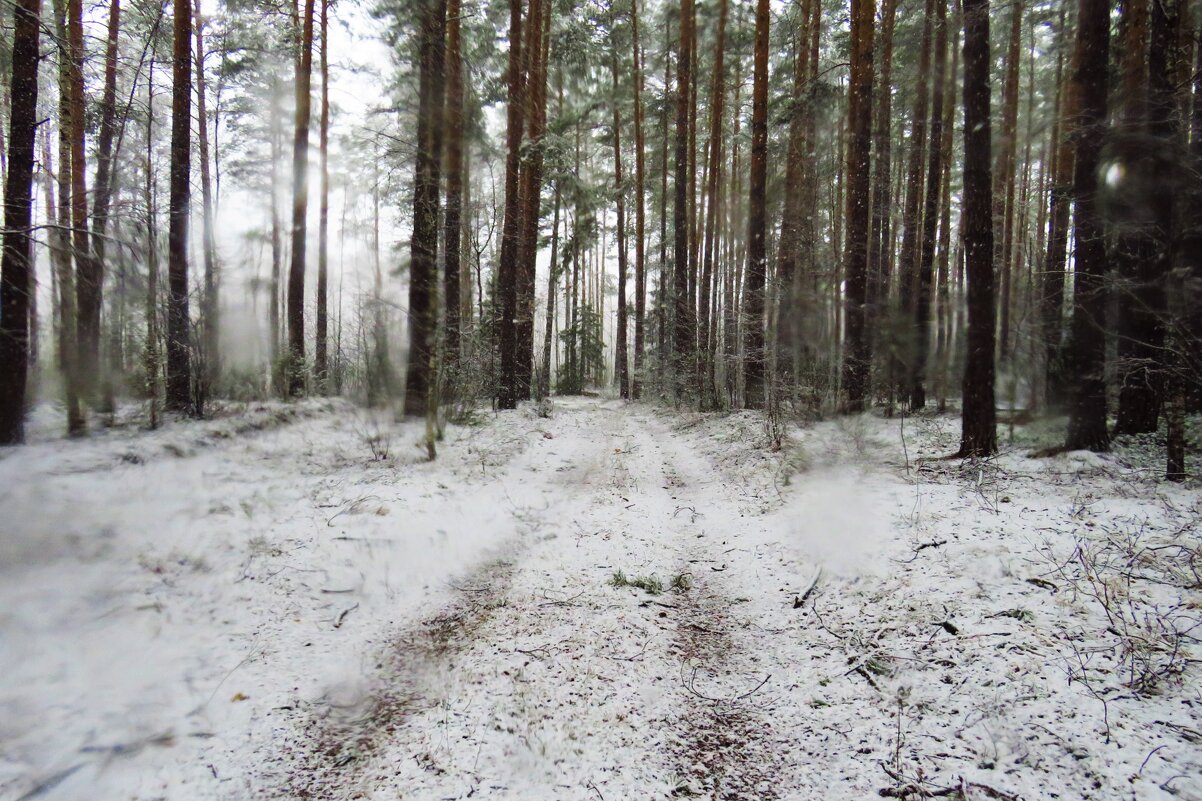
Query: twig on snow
(343, 614)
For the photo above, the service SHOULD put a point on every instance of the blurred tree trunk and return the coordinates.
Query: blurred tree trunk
(16, 267)
(211, 312)
(621, 367)
(857, 357)
(880, 237)
(531, 184)
(277, 256)
(89, 271)
(757, 227)
(179, 355)
(300, 208)
(682, 329)
(453, 217)
(1087, 415)
(705, 375)
(1004, 179)
(104, 182)
(904, 351)
(930, 217)
(508, 388)
(423, 250)
(978, 436)
(1141, 300)
(640, 242)
(321, 361)
(788, 253)
(1055, 276)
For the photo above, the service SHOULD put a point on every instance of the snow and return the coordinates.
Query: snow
(288, 601)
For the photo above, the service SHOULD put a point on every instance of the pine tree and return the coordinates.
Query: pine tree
(1087, 413)
(179, 349)
(978, 435)
(857, 359)
(16, 268)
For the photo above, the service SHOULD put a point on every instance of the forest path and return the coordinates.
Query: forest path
(546, 678)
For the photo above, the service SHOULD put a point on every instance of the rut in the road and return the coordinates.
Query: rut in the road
(336, 745)
(724, 743)
(725, 747)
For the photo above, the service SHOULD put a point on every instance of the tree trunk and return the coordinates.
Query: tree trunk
(788, 253)
(277, 257)
(68, 329)
(211, 314)
(423, 292)
(104, 180)
(757, 251)
(978, 432)
(530, 190)
(857, 357)
(621, 367)
(179, 355)
(1054, 276)
(930, 217)
(152, 258)
(300, 208)
(705, 375)
(640, 242)
(1004, 174)
(321, 361)
(453, 221)
(902, 363)
(1087, 414)
(880, 238)
(1141, 305)
(508, 389)
(89, 272)
(664, 294)
(682, 331)
(16, 267)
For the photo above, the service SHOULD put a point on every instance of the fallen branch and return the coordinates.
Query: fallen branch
(343, 614)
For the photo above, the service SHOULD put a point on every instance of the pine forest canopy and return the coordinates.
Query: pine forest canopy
(799, 207)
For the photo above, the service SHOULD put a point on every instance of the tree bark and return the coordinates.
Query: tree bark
(211, 316)
(788, 252)
(978, 432)
(755, 396)
(508, 388)
(321, 360)
(89, 272)
(104, 182)
(705, 375)
(1141, 305)
(880, 238)
(530, 189)
(179, 355)
(423, 251)
(1004, 178)
(640, 242)
(621, 366)
(857, 357)
(683, 334)
(902, 363)
(930, 217)
(300, 208)
(16, 267)
(277, 256)
(453, 216)
(1087, 413)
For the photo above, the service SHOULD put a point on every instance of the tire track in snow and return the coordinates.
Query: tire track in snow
(333, 750)
(723, 737)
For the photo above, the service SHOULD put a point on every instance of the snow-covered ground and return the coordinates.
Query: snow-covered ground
(612, 602)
